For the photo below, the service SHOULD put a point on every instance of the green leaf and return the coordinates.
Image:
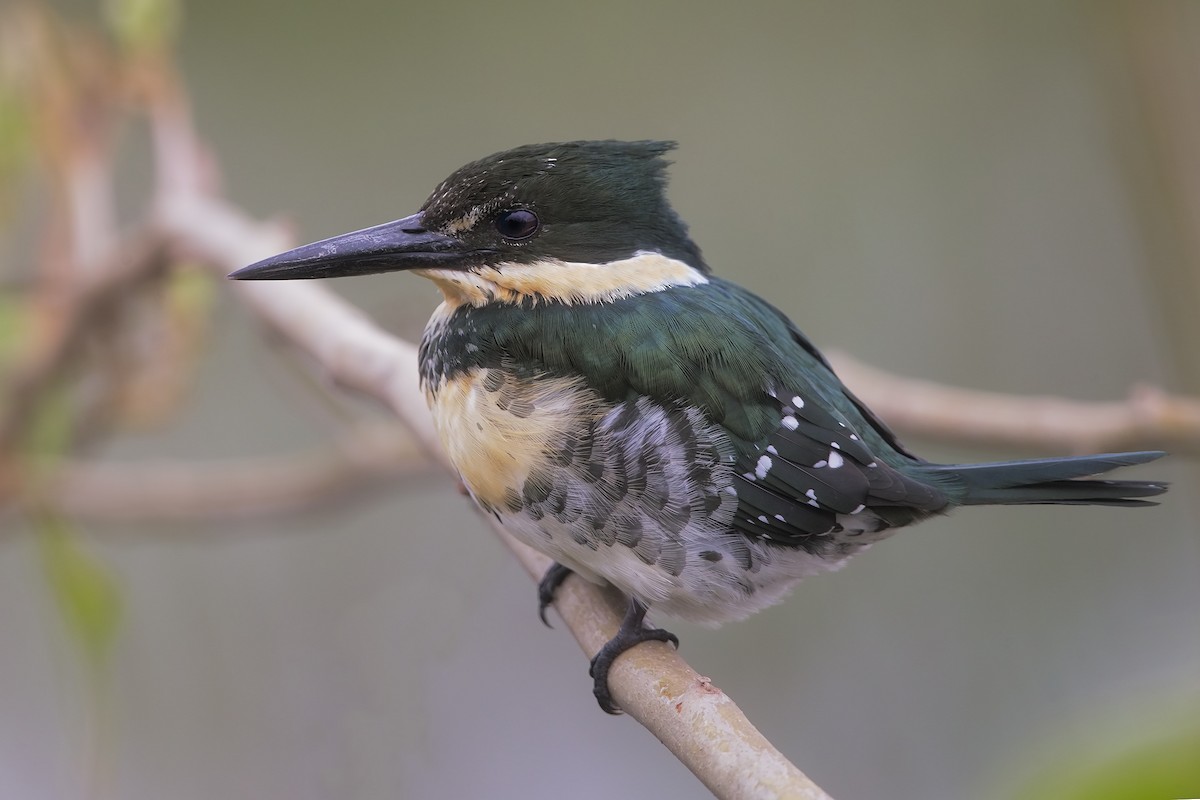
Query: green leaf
(191, 292)
(13, 317)
(51, 429)
(84, 589)
(15, 140)
(143, 24)
(1154, 759)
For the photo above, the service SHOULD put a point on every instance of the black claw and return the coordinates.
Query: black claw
(632, 632)
(547, 586)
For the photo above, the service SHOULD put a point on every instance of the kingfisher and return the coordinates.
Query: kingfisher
(638, 419)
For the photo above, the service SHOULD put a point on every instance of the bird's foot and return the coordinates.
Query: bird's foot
(632, 632)
(547, 587)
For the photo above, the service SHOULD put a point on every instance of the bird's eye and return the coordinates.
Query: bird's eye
(520, 223)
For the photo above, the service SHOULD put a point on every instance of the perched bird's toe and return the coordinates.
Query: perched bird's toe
(631, 633)
(548, 586)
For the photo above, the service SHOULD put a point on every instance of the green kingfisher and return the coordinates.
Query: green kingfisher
(641, 421)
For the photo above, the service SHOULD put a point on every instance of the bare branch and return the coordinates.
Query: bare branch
(371, 457)
(63, 327)
(1150, 418)
(697, 722)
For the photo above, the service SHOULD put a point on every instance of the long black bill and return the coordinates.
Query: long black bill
(392, 246)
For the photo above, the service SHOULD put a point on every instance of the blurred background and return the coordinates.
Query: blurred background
(1002, 194)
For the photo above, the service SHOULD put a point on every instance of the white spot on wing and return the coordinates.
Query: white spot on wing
(798, 402)
(835, 459)
(812, 498)
(762, 467)
(790, 422)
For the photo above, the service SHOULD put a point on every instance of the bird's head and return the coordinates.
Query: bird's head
(570, 222)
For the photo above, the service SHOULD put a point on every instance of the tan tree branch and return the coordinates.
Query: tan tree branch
(1149, 418)
(68, 320)
(367, 458)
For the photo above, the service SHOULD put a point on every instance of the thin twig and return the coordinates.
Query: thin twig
(369, 458)
(137, 258)
(1150, 418)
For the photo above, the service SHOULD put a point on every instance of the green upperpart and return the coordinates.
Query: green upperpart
(714, 346)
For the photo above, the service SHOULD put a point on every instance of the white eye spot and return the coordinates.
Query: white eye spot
(762, 467)
(835, 459)
(798, 401)
(812, 498)
(790, 422)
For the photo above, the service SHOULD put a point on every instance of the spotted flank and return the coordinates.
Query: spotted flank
(635, 492)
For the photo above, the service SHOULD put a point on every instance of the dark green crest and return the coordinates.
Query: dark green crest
(594, 201)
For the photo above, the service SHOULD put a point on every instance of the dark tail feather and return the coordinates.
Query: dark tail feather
(1053, 480)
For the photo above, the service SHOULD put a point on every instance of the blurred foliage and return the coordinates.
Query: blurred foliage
(49, 436)
(84, 589)
(16, 127)
(166, 337)
(14, 315)
(86, 593)
(141, 25)
(15, 137)
(1164, 762)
